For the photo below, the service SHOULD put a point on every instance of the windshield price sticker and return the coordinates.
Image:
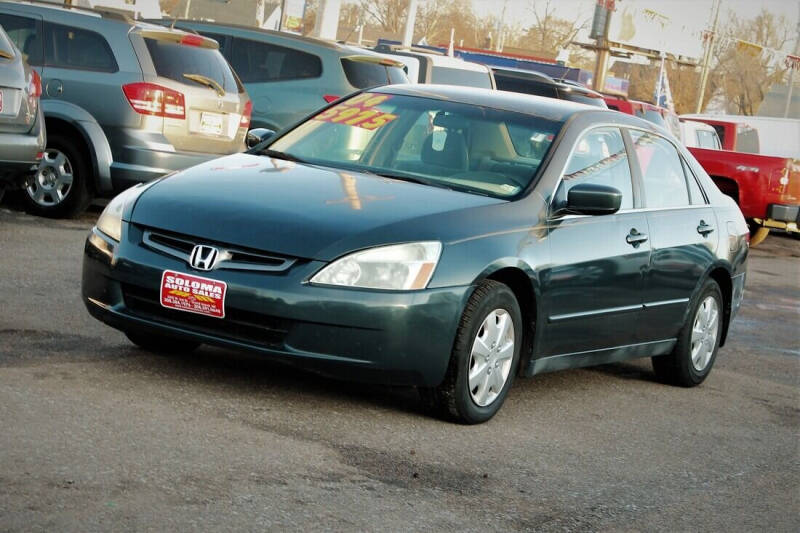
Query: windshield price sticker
(359, 111)
(193, 294)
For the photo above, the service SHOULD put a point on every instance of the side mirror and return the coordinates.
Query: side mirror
(257, 136)
(593, 199)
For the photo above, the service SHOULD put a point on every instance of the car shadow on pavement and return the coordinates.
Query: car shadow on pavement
(248, 374)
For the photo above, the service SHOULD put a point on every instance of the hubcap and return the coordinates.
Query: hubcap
(53, 180)
(704, 333)
(490, 360)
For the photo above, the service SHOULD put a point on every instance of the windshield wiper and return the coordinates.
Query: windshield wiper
(277, 154)
(208, 82)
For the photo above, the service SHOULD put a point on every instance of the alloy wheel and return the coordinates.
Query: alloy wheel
(491, 357)
(53, 179)
(704, 333)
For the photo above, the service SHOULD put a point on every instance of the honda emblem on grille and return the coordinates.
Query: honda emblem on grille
(203, 257)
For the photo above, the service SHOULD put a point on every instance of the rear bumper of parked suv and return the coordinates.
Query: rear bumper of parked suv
(20, 152)
(142, 156)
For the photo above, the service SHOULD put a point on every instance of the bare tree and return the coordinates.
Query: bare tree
(549, 33)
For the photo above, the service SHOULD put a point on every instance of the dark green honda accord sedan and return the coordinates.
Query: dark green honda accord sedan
(441, 237)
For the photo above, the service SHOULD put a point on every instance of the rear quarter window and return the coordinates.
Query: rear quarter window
(525, 87)
(362, 74)
(747, 140)
(457, 76)
(22, 32)
(75, 48)
(258, 62)
(173, 60)
(5, 46)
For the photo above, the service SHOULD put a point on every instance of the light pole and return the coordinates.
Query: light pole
(792, 67)
(408, 33)
(709, 52)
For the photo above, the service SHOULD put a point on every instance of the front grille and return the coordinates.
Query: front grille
(238, 324)
(231, 257)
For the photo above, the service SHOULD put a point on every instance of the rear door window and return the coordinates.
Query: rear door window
(23, 33)
(662, 171)
(258, 62)
(366, 72)
(74, 48)
(599, 157)
(746, 139)
(174, 61)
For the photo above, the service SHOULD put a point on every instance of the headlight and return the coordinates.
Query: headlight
(110, 221)
(398, 267)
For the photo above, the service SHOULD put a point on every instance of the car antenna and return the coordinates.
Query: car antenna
(174, 20)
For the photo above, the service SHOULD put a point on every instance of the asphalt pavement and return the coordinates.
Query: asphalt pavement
(97, 435)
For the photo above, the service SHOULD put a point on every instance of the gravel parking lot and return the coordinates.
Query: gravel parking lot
(98, 435)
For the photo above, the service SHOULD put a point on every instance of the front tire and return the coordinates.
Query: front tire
(161, 343)
(485, 357)
(698, 342)
(60, 187)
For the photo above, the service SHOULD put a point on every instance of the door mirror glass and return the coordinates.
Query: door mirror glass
(257, 136)
(593, 199)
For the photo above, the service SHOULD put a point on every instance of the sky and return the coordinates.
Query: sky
(681, 12)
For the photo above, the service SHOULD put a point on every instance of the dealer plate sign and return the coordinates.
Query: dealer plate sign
(193, 294)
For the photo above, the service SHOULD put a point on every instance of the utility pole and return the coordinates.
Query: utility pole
(283, 15)
(186, 9)
(408, 33)
(599, 32)
(709, 52)
(792, 67)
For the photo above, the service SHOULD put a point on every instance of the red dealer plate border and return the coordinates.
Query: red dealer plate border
(199, 304)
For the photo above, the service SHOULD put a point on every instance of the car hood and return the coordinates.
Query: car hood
(293, 209)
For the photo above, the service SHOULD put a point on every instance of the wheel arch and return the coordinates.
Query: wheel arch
(722, 276)
(63, 116)
(522, 282)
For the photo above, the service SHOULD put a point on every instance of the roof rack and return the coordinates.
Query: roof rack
(104, 12)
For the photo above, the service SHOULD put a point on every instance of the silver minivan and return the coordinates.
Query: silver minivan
(22, 133)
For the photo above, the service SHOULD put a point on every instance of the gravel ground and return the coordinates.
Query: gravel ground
(98, 435)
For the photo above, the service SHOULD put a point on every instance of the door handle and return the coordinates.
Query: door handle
(704, 229)
(635, 238)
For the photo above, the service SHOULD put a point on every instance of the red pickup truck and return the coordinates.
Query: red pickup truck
(766, 188)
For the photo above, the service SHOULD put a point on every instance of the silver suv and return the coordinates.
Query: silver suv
(124, 101)
(22, 134)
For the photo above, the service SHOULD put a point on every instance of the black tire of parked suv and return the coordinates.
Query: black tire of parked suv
(452, 398)
(79, 196)
(161, 343)
(677, 368)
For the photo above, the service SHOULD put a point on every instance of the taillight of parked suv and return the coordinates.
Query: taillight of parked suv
(34, 90)
(152, 99)
(246, 114)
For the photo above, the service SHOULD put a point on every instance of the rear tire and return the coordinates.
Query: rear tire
(60, 188)
(698, 342)
(161, 343)
(484, 359)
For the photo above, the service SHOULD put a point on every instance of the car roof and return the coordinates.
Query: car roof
(507, 101)
(332, 45)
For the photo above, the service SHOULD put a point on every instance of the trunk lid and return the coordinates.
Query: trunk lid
(213, 99)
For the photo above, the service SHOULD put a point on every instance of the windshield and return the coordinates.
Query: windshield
(459, 76)
(465, 147)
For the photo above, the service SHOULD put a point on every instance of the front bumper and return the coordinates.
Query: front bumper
(400, 338)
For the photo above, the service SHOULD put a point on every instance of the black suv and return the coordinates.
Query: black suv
(530, 82)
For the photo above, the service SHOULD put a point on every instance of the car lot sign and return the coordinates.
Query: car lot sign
(193, 294)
